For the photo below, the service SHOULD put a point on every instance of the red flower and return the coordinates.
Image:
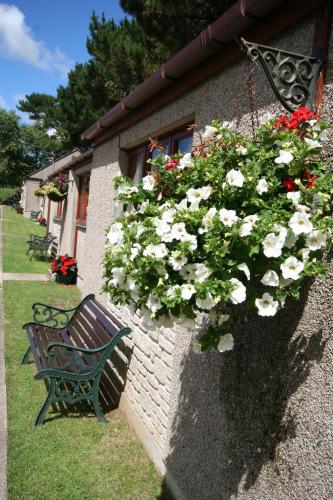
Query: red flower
(298, 117)
(63, 258)
(282, 122)
(289, 184)
(54, 265)
(310, 178)
(171, 164)
(310, 185)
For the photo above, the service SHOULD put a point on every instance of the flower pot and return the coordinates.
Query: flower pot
(55, 196)
(66, 279)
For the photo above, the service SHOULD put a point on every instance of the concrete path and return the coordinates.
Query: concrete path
(3, 398)
(24, 277)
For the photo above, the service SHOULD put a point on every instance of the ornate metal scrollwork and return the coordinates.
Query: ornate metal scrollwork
(67, 359)
(71, 391)
(292, 76)
(46, 315)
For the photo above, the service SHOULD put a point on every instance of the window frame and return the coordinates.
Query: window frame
(83, 199)
(170, 141)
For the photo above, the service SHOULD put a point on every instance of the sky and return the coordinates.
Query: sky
(41, 40)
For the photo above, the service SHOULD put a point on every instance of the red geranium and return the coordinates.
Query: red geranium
(171, 164)
(299, 119)
(63, 264)
(289, 184)
(310, 178)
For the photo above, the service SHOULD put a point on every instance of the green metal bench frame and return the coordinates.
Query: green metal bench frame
(34, 215)
(39, 245)
(73, 373)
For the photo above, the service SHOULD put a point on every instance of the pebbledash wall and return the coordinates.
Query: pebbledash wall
(255, 423)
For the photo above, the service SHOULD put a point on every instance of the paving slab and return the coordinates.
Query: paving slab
(25, 277)
(3, 397)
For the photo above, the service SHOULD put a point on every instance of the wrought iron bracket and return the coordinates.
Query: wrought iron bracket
(293, 77)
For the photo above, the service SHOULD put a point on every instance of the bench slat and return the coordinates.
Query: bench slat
(106, 321)
(94, 330)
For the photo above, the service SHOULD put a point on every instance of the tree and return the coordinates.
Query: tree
(121, 56)
(23, 148)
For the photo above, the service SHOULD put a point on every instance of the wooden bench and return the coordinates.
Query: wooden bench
(34, 215)
(70, 349)
(39, 245)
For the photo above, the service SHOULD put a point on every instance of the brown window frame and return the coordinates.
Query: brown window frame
(83, 200)
(170, 141)
(59, 209)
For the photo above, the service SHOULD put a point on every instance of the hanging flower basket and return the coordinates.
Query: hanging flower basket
(54, 194)
(241, 220)
(39, 192)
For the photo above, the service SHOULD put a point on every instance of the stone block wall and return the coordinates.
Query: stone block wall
(255, 423)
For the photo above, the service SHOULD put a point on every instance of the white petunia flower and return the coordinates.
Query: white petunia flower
(284, 157)
(187, 290)
(148, 183)
(247, 226)
(188, 272)
(118, 274)
(115, 234)
(178, 231)
(177, 260)
(135, 250)
(196, 195)
(267, 306)
(235, 178)
(126, 189)
(209, 132)
(294, 196)
(168, 215)
(207, 220)
(291, 268)
(241, 150)
(172, 291)
(290, 240)
(185, 161)
(312, 144)
(202, 272)
(237, 292)
(272, 245)
(226, 343)
(315, 240)
(156, 251)
(192, 240)
(206, 303)
(153, 303)
(163, 230)
(303, 208)
(300, 223)
(228, 217)
(304, 253)
(243, 267)
(182, 205)
(270, 278)
(284, 282)
(262, 186)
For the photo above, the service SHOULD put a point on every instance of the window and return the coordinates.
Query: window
(179, 142)
(82, 204)
(59, 209)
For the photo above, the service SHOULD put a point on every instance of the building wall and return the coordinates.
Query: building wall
(255, 423)
(29, 201)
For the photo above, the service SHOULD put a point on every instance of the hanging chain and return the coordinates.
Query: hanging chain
(249, 88)
(251, 85)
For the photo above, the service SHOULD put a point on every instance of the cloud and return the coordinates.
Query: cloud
(17, 42)
(3, 104)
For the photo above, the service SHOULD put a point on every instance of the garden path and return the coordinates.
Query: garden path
(3, 398)
(24, 277)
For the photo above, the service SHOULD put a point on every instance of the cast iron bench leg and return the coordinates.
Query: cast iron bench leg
(25, 359)
(48, 401)
(98, 412)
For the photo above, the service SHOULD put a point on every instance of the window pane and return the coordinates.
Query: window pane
(185, 145)
(138, 168)
(156, 153)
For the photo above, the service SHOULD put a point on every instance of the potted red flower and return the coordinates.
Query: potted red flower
(65, 270)
(41, 220)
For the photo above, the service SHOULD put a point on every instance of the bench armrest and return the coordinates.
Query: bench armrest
(52, 316)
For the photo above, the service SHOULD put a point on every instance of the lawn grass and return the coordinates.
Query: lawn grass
(6, 193)
(18, 224)
(67, 458)
(15, 247)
